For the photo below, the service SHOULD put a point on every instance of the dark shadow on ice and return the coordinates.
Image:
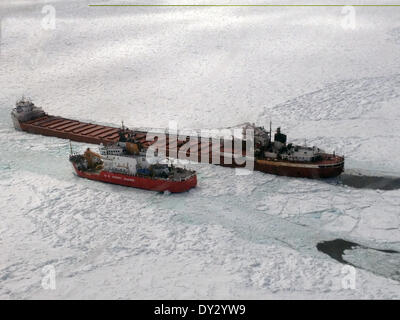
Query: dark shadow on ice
(382, 262)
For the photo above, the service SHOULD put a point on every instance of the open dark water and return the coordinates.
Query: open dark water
(383, 262)
(369, 182)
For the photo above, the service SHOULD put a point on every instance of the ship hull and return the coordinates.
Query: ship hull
(159, 185)
(301, 170)
(96, 134)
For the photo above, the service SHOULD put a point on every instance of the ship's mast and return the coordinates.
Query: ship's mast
(270, 131)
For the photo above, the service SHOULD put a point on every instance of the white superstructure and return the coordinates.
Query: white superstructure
(116, 159)
(300, 153)
(25, 110)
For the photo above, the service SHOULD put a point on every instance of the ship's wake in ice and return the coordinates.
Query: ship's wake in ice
(369, 182)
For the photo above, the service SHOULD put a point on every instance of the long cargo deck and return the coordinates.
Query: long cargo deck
(71, 129)
(95, 134)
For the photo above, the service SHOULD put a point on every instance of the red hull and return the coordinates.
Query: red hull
(140, 182)
(331, 166)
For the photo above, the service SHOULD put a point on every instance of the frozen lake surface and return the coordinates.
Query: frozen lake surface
(234, 236)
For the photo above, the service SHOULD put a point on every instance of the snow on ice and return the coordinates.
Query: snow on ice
(250, 236)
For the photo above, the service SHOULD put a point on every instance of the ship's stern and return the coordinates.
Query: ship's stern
(15, 120)
(25, 110)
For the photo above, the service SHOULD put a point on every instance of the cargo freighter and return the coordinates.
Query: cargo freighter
(274, 157)
(123, 163)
